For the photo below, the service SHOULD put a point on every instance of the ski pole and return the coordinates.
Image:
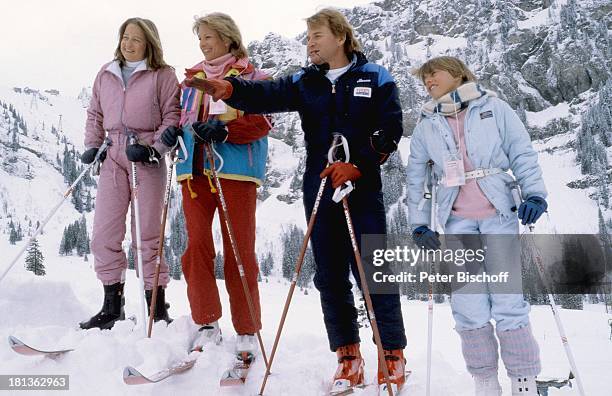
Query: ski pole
(537, 258)
(160, 247)
(107, 142)
(366, 294)
(296, 273)
(430, 302)
(142, 315)
(230, 233)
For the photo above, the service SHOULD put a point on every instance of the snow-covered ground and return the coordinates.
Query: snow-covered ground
(46, 311)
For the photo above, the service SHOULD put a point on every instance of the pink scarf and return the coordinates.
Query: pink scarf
(217, 67)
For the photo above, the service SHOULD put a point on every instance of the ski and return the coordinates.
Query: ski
(545, 383)
(338, 390)
(382, 389)
(25, 349)
(237, 375)
(22, 348)
(131, 376)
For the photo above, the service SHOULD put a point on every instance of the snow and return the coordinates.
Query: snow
(45, 312)
(541, 118)
(441, 45)
(537, 18)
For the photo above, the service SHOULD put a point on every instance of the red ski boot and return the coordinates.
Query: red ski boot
(396, 365)
(350, 370)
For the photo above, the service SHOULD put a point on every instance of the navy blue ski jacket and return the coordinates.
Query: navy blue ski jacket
(363, 105)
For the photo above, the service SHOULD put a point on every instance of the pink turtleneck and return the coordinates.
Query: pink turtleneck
(471, 203)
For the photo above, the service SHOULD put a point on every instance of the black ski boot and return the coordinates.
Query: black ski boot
(112, 309)
(161, 306)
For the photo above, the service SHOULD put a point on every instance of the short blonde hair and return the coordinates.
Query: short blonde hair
(454, 66)
(339, 25)
(227, 29)
(153, 52)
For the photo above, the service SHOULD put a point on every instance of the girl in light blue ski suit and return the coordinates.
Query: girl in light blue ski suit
(466, 126)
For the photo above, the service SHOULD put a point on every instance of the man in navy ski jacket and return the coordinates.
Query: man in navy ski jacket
(341, 92)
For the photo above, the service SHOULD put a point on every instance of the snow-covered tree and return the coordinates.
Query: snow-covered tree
(34, 259)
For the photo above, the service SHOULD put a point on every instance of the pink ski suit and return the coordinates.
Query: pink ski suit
(147, 106)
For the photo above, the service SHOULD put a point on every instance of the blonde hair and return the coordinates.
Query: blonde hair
(153, 51)
(339, 25)
(227, 29)
(454, 66)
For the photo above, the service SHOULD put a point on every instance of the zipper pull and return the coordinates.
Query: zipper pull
(333, 88)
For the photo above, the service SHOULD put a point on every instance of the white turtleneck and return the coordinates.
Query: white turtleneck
(128, 68)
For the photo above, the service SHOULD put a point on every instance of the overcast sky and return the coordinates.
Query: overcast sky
(63, 43)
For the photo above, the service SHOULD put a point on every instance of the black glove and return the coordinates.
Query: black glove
(210, 131)
(426, 238)
(170, 136)
(90, 155)
(140, 153)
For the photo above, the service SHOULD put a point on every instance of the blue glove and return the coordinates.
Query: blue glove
(531, 209)
(426, 238)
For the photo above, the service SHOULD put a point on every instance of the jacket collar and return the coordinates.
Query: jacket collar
(473, 103)
(115, 69)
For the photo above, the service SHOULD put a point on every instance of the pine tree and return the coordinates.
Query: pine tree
(82, 238)
(13, 237)
(291, 245)
(266, 264)
(308, 267)
(393, 179)
(88, 205)
(34, 259)
(173, 262)
(76, 198)
(64, 249)
(219, 261)
(19, 232)
(131, 258)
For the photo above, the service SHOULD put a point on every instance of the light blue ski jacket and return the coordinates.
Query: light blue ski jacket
(495, 137)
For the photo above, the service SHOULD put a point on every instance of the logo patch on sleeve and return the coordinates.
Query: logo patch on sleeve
(364, 92)
(486, 114)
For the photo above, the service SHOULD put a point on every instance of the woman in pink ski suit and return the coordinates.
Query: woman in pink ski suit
(135, 94)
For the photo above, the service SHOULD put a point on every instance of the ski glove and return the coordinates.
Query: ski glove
(424, 237)
(141, 153)
(90, 155)
(383, 145)
(341, 172)
(210, 131)
(531, 209)
(170, 136)
(218, 89)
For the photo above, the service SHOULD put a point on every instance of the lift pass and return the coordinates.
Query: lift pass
(454, 172)
(218, 107)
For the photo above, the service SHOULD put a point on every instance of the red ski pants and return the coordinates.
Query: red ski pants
(199, 205)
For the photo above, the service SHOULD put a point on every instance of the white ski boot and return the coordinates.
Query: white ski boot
(246, 343)
(487, 386)
(524, 386)
(207, 334)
